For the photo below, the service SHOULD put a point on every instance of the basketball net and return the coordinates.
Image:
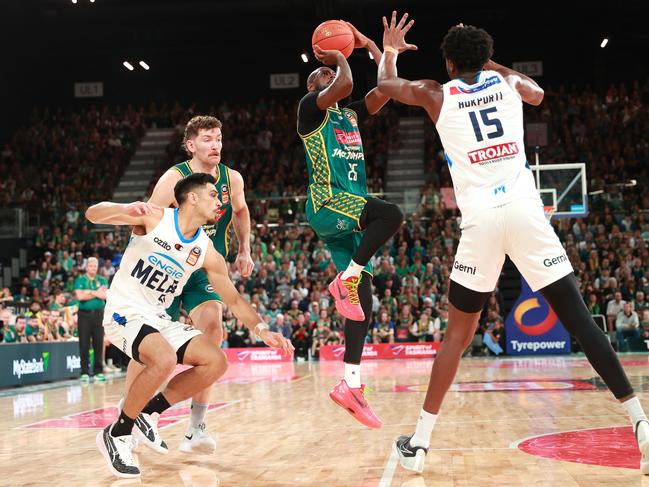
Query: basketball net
(549, 211)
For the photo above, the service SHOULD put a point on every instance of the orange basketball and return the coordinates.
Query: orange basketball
(334, 35)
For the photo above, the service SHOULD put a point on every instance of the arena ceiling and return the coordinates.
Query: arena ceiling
(197, 46)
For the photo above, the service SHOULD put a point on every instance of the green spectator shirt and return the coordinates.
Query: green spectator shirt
(10, 335)
(85, 283)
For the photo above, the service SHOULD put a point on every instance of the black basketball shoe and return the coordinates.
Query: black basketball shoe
(410, 457)
(118, 452)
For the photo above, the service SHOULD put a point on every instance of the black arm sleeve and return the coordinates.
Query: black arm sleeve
(309, 116)
(360, 108)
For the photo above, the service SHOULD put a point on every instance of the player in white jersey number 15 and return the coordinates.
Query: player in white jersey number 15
(168, 246)
(479, 117)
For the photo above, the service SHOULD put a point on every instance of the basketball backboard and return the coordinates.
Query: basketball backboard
(563, 186)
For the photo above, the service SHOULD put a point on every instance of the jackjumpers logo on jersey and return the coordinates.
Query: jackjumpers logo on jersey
(348, 154)
(493, 153)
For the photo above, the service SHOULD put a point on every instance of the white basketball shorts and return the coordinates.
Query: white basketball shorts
(518, 229)
(122, 330)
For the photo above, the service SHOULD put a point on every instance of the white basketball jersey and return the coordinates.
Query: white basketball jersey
(481, 129)
(154, 269)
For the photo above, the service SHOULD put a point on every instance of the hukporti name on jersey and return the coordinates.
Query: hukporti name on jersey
(157, 274)
(495, 153)
(481, 100)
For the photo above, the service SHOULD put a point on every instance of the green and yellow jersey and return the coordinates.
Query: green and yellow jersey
(220, 232)
(334, 155)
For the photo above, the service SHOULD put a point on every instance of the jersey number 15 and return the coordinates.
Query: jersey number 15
(484, 115)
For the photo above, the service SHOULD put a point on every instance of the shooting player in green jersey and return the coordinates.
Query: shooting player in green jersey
(352, 224)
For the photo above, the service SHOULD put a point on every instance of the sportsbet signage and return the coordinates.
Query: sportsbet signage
(533, 327)
(32, 363)
(384, 351)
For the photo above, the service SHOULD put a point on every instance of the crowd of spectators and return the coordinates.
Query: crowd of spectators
(608, 249)
(61, 160)
(260, 141)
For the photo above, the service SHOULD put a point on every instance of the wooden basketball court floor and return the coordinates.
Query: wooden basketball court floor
(522, 421)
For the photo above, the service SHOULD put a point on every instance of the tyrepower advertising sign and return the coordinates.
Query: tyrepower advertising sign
(533, 328)
(384, 351)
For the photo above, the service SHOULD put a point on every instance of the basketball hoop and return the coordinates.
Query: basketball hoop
(549, 211)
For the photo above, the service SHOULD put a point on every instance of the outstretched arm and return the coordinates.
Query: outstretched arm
(163, 192)
(342, 85)
(529, 89)
(423, 93)
(375, 99)
(217, 273)
(136, 213)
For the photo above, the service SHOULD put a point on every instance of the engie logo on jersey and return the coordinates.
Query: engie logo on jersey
(492, 154)
(165, 264)
(161, 273)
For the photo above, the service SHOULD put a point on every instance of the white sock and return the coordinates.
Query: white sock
(424, 429)
(353, 375)
(197, 414)
(353, 270)
(634, 410)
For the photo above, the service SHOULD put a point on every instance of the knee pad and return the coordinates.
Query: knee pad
(465, 299)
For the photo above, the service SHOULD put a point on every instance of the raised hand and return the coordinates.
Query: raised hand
(360, 40)
(394, 33)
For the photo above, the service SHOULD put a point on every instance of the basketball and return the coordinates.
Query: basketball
(334, 35)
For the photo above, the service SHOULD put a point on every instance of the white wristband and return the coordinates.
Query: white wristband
(262, 326)
(391, 49)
